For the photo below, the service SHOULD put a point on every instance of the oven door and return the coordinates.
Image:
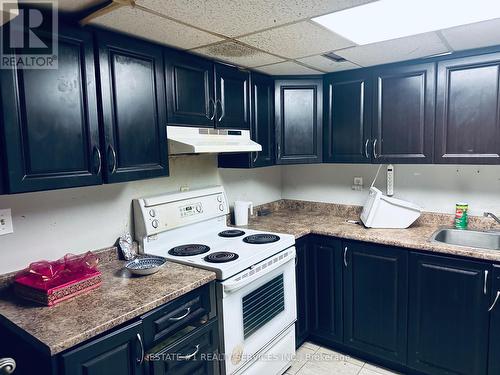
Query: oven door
(257, 305)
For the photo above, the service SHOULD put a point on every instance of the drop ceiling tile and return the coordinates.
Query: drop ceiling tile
(150, 26)
(327, 65)
(286, 68)
(234, 18)
(237, 54)
(476, 35)
(297, 40)
(401, 49)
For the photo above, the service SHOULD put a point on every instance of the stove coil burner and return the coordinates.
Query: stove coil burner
(231, 233)
(261, 238)
(188, 250)
(221, 257)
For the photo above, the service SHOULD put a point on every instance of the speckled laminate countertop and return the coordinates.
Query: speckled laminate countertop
(119, 299)
(301, 218)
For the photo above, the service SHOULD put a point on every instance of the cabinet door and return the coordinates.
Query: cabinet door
(448, 316)
(50, 121)
(347, 125)
(494, 358)
(134, 109)
(233, 106)
(403, 115)
(195, 354)
(303, 282)
(376, 300)
(262, 130)
(298, 114)
(467, 119)
(326, 289)
(190, 90)
(117, 353)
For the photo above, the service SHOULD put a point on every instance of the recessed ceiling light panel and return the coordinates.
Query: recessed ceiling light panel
(391, 19)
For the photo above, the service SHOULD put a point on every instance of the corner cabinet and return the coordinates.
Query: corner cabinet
(133, 108)
(403, 114)
(467, 118)
(347, 117)
(50, 121)
(299, 120)
(448, 315)
(262, 126)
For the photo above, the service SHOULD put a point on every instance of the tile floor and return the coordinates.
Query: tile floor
(312, 359)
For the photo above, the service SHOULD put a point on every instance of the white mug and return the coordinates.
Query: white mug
(241, 212)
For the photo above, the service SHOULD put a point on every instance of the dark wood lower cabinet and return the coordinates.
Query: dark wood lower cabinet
(303, 280)
(117, 353)
(326, 289)
(448, 315)
(494, 352)
(375, 299)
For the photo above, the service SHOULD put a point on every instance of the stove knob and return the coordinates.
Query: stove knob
(152, 213)
(154, 223)
(219, 198)
(221, 207)
(198, 208)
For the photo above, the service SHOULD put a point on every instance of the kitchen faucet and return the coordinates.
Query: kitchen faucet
(489, 214)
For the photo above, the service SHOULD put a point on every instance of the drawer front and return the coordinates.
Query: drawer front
(195, 308)
(196, 354)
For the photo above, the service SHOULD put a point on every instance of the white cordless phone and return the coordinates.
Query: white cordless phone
(390, 180)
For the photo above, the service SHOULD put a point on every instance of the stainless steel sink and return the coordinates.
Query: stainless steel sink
(468, 238)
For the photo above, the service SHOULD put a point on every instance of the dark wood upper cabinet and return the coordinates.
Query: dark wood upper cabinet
(298, 119)
(232, 97)
(117, 353)
(190, 90)
(347, 118)
(403, 115)
(448, 315)
(325, 290)
(467, 112)
(50, 121)
(376, 300)
(134, 108)
(262, 126)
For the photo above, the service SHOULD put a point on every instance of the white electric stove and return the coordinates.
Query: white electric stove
(255, 272)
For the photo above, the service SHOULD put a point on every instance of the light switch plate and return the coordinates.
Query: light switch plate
(6, 221)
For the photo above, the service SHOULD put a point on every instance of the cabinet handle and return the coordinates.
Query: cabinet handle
(495, 301)
(211, 101)
(375, 148)
(222, 109)
(99, 160)
(140, 360)
(279, 150)
(345, 256)
(256, 156)
(177, 318)
(366, 148)
(113, 153)
(189, 356)
(7, 366)
(485, 286)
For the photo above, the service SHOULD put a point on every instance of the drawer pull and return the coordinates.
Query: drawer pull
(7, 365)
(189, 356)
(177, 318)
(495, 301)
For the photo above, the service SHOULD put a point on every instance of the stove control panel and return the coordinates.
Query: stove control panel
(158, 214)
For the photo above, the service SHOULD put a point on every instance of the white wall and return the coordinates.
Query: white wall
(434, 187)
(49, 224)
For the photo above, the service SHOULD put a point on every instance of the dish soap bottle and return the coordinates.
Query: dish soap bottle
(461, 215)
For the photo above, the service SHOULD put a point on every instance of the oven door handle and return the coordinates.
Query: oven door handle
(230, 287)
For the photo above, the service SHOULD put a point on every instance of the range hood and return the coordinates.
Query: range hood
(187, 140)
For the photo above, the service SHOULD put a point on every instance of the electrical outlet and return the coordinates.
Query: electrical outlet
(6, 222)
(358, 181)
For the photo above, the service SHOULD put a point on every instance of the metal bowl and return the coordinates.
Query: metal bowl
(145, 265)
